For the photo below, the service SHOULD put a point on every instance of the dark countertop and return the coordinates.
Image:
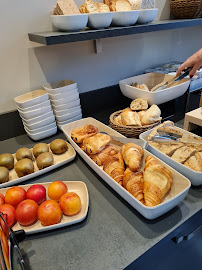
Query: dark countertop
(113, 234)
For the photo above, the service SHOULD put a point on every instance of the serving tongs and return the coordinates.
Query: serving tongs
(168, 83)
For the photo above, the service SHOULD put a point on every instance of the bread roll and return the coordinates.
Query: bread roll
(130, 118)
(139, 104)
(152, 115)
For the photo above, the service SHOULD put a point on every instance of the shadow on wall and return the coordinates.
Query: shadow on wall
(164, 9)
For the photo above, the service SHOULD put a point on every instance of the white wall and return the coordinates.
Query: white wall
(26, 66)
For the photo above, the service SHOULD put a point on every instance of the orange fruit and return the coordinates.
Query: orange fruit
(56, 190)
(26, 212)
(49, 212)
(70, 203)
(15, 195)
(2, 199)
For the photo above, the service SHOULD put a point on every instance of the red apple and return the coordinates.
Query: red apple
(9, 214)
(36, 193)
(2, 199)
(26, 212)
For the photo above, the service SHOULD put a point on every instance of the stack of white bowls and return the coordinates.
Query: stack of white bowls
(37, 114)
(64, 97)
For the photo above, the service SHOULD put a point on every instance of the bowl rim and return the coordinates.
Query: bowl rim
(34, 134)
(71, 15)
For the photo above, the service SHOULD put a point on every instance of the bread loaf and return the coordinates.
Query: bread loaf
(139, 104)
(152, 115)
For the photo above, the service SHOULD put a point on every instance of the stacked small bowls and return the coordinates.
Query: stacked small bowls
(37, 114)
(64, 97)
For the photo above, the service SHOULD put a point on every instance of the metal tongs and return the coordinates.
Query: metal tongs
(168, 83)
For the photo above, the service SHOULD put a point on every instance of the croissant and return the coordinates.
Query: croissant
(157, 181)
(100, 157)
(79, 134)
(114, 167)
(96, 143)
(133, 182)
(132, 155)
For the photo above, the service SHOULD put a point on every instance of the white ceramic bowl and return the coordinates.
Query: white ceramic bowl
(152, 79)
(75, 22)
(147, 15)
(65, 106)
(41, 129)
(63, 95)
(38, 119)
(65, 100)
(31, 98)
(60, 124)
(125, 18)
(62, 112)
(40, 124)
(34, 113)
(99, 20)
(60, 86)
(42, 135)
(68, 116)
(35, 107)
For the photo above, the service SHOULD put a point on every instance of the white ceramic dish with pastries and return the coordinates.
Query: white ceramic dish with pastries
(60, 86)
(38, 119)
(60, 124)
(41, 129)
(63, 95)
(35, 107)
(147, 15)
(41, 135)
(62, 112)
(68, 116)
(34, 113)
(68, 99)
(125, 18)
(40, 124)
(99, 20)
(179, 189)
(152, 79)
(67, 105)
(75, 22)
(31, 98)
(194, 176)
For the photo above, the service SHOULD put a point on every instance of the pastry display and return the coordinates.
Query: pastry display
(79, 134)
(100, 157)
(94, 144)
(132, 155)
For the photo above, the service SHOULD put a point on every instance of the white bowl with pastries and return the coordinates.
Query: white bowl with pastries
(59, 87)
(62, 101)
(40, 124)
(38, 119)
(95, 144)
(75, 22)
(41, 135)
(140, 87)
(67, 116)
(34, 113)
(185, 156)
(63, 95)
(62, 112)
(125, 18)
(67, 105)
(147, 15)
(99, 20)
(62, 123)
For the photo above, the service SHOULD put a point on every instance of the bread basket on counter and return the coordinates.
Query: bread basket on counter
(186, 9)
(129, 131)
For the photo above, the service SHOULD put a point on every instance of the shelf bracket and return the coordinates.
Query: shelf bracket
(98, 45)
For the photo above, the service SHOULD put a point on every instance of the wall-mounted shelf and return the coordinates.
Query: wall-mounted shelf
(52, 38)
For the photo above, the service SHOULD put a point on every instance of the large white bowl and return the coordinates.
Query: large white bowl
(68, 116)
(31, 98)
(65, 100)
(65, 106)
(38, 119)
(42, 135)
(63, 95)
(60, 124)
(40, 124)
(152, 79)
(147, 15)
(41, 129)
(60, 86)
(75, 22)
(99, 20)
(125, 18)
(35, 107)
(34, 113)
(62, 112)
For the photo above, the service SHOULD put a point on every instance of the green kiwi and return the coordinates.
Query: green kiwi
(44, 160)
(23, 153)
(40, 148)
(7, 160)
(58, 146)
(24, 167)
(4, 175)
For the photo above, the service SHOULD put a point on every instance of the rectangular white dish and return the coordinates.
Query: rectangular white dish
(41, 135)
(60, 86)
(40, 124)
(63, 95)
(31, 98)
(67, 116)
(178, 191)
(38, 119)
(152, 79)
(59, 160)
(62, 112)
(194, 176)
(35, 113)
(68, 99)
(73, 186)
(67, 105)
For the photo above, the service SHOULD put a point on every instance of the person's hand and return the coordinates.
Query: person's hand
(195, 61)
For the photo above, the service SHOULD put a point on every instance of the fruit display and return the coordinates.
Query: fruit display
(24, 167)
(23, 153)
(58, 146)
(4, 174)
(40, 148)
(7, 160)
(44, 160)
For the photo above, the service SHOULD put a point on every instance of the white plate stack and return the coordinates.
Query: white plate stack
(37, 114)
(64, 97)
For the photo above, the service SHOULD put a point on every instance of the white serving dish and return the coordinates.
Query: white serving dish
(59, 160)
(41, 129)
(178, 190)
(79, 188)
(35, 107)
(30, 99)
(65, 106)
(63, 95)
(60, 124)
(68, 116)
(125, 18)
(99, 20)
(60, 86)
(75, 22)
(38, 119)
(147, 15)
(42, 135)
(194, 176)
(40, 124)
(65, 100)
(152, 79)
(34, 113)
(61, 112)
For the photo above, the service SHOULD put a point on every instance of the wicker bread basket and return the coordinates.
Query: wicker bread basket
(186, 9)
(129, 131)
